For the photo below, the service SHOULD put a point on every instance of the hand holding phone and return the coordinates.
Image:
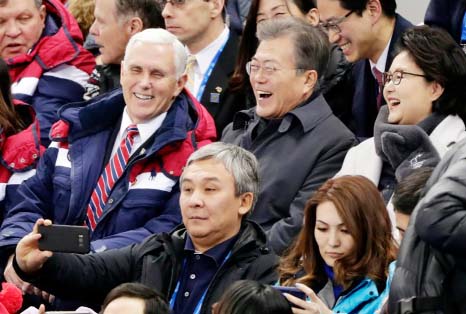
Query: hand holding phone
(64, 238)
(291, 290)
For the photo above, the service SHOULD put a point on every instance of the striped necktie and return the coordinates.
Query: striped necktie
(111, 174)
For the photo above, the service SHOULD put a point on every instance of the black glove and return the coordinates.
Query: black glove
(407, 147)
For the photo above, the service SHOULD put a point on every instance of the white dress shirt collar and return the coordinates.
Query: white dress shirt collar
(205, 57)
(146, 130)
(382, 61)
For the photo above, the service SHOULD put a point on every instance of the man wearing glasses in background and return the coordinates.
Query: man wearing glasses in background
(212, 50)
(292, 131)
(366, 31)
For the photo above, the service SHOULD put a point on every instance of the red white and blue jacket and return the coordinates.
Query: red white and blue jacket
(144, 201)
(55, 71)
(19, 155)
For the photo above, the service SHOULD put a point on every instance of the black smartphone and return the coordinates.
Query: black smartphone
(65, 239)
(291, 290)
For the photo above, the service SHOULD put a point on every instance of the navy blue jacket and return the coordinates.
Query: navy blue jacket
(142, 202)
(365, 86)
(447, 14)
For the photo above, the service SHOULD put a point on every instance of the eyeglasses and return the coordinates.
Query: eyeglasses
(333, 25)
(163, 3)
(268, 70)
(396, 77)
(176, 3)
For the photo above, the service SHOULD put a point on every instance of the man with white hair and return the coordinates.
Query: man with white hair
(114, 162)
(115, 21)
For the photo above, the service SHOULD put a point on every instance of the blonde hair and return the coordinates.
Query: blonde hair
(83, 12)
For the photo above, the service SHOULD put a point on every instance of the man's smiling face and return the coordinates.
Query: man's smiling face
(148, 80)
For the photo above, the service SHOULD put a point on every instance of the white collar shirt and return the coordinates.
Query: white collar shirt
(205, 57)
(145, 129)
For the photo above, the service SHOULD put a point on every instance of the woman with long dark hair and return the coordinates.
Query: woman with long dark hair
(342, 255)
(19, 142)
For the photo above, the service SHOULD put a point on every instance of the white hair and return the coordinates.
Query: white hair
(160, 36)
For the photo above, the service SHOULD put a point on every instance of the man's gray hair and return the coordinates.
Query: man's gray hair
(38, 3)
(149, 11)
(159, 36)
(311, 45)
(240, 163)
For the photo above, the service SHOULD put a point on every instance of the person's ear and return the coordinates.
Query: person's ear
(246, 200)
(436, 90)
(180, 84)
(122, 70)
(135, 25)
(216, 8)
(42, 14)
(215, 308)
(312, 17)
(374, 8)
(311, 78)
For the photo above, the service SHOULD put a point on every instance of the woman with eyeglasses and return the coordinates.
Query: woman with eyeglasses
(425, 110)
(342, 258)
(336, 85)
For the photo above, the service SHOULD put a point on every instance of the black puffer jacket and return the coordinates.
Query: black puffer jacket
(157, 263)
(337, 86)
(432, 257)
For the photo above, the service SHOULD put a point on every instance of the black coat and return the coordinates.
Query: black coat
(432, 257)
(447, 14)
(364, 110)
(157, 263)
(337, 86)
(223, 107)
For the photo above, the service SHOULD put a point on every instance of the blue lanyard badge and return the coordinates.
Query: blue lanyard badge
(209, 72)
(197, 310)
(463, 33)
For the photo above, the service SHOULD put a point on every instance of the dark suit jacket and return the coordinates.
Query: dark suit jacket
(216, 97)
(447, 14)
(365, 86)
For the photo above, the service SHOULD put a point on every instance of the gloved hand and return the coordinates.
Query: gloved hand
(407, 147)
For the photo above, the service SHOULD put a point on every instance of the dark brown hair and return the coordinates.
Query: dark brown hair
(9, 120)
(409, 190)
(442, 60)
(153, 301)
(362, 209)
(149, 11)
(358, 6)
(249, 42)
(247, 48)
(251, 297)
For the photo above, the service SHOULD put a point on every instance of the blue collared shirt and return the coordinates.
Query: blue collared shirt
(197, 273)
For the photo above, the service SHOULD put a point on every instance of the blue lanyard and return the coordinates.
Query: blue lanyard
(463, 32)
(197, 310)
(209, 72)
